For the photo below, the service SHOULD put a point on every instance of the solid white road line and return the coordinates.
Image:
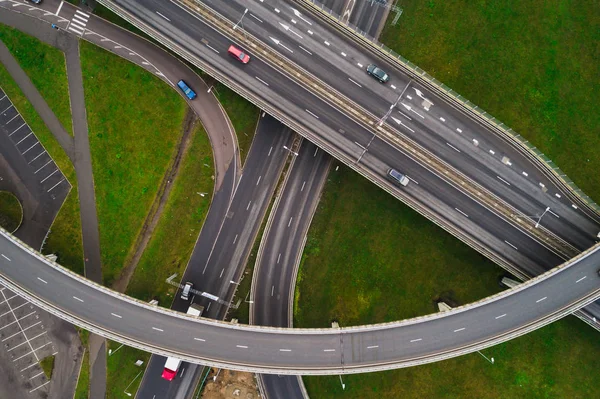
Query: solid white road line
(163, 16)
(502, 180)
(305, 50)
(312, 114)
(261, 81)
(59, 8)
(354, 82)
(212, 48)
(458, 210)
(453, 147)
(256, 18)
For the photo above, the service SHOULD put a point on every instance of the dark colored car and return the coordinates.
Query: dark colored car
(238, 54)
(191, 94)
(378, 73)
(36, 1)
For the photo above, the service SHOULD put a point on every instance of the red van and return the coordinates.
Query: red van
(238, 54)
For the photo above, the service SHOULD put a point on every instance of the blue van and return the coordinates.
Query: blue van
(191, 94)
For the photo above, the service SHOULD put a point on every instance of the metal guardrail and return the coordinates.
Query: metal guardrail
(447, 92)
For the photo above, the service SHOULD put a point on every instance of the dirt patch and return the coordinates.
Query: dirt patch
(230, 385)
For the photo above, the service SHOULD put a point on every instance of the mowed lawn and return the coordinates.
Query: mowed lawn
(173, 240)
(371, 259)
(46, 68)
(135, 121)
(531, 64)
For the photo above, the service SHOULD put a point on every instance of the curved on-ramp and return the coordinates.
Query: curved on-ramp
(405, 343)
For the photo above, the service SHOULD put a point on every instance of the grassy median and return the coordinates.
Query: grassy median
(173, 240)
(134, 123)
(532, 64)
(46, 68)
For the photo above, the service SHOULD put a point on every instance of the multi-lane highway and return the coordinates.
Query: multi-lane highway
(300, 351)
(579, 231)
(497, 170)
(279, 255)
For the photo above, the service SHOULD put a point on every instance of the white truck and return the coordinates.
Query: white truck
(172, 364)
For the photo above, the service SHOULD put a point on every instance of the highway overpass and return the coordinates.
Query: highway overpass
(300, 351)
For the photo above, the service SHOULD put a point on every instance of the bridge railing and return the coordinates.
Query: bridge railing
(483, 116)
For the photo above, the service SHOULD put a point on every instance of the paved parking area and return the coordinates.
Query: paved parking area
(25, 341)
(24, 141)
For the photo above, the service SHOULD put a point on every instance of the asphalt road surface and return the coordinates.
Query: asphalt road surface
(220, 259)
(276, 267)
(300, 351)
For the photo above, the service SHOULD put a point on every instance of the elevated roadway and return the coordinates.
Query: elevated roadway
(300, 351)
(504, 177)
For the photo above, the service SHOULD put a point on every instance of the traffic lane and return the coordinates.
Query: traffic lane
(284, 240)
(260, 346)
(322, 74)
(269, 27)
(368, 16)
(292, 95)
(453, 330)
(506, 182)
(452, 124)
(140, 322)
(281, 386)
(431, 186)
(265, 162)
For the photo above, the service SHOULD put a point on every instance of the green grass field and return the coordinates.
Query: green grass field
(370, 259)
(11, 211)
(47, 364)
(46, 68)
(135, 122)
(531, 64)
(83, 381)
(64, 239)
(175, 235)
(121, 372)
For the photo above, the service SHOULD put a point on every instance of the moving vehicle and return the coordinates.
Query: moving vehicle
(36, 1)
(378, 73)
(189, 93)
(171, 368)
(397, 177)
(195, 310)
(238, 54)
(185, 292)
